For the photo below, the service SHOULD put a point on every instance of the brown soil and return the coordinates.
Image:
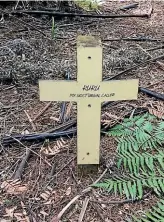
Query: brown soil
(27, 53)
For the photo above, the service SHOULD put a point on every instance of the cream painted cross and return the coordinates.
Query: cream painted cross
(88, 91)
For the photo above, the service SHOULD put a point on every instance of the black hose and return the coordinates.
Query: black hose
(152, 93)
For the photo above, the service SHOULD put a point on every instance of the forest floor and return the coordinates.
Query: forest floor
(28, 53)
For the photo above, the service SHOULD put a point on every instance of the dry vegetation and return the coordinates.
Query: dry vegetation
(28, 53)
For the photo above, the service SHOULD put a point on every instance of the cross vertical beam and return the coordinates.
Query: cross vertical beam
(89, 66)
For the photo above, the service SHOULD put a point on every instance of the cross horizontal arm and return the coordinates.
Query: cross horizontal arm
(52, 90)
(118, 90)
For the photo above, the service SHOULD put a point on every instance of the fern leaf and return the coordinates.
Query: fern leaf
(130, 165)
(126, 191)
(161, 184)
(110, 186)
(160, 160)
(161, 206)
(145, 220)
(158, 210)
(120, 189)
(156, 215)
(115, 188)
(151, 217)
(101, 185)
(136, 219)
(140, 190)
(119, 163)
(140, 121)
(142, 161)
(162, 201)
(148, 127)
(160, 172)
(131, 190)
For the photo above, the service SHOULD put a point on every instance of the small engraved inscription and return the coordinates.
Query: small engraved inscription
(88, 95)
(91, 87)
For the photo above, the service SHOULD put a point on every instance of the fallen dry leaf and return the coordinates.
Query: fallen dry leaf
(45, 196)
(68, 191)
(44, 213)
(20, 217)
(13, 187)
(48, 202)
(10, 212)
(52, 151)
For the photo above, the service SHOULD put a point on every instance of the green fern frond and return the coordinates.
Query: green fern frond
(156, 214)
(141, 132)
(141, 157)
(132, 187)
(134, 161)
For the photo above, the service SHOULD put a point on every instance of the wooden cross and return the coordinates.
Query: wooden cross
(88, 91)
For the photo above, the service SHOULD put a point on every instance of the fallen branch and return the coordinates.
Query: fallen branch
(19, 172)
(88, 189)
(134, 67)
(64, 14)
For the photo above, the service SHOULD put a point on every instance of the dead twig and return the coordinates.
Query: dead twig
(19, 172)
(83, 210)
(42, 111)
(30, 120)
(88, 189)
(53, 169)
(155, 48)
